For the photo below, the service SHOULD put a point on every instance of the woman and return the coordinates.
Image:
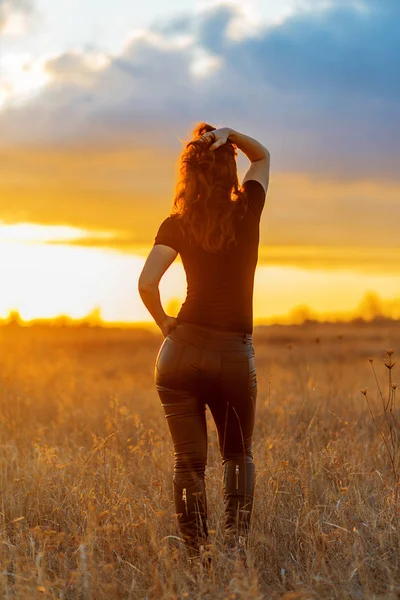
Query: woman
(207, 356)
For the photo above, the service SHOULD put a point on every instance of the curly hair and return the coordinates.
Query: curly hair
(208, 199)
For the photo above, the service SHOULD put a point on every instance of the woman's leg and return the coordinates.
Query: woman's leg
(233, 410)
(185, 414)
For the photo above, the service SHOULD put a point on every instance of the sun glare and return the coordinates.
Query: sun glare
(32, 233)
(41, 279)
(22, 77)
(203, 64)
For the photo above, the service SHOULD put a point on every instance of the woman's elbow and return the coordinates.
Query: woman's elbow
(145, 285)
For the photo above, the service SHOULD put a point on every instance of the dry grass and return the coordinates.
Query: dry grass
(86, 508)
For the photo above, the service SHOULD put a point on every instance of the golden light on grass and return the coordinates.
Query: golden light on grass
(79, 411)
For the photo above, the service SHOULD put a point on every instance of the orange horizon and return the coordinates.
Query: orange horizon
(371, 307)
(42, 279)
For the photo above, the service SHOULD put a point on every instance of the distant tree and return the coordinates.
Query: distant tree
(299, 314)
(370, 306)
(14, 319)
(61, 321)
(94, 318)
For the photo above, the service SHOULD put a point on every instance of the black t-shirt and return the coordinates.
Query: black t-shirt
(220, 284)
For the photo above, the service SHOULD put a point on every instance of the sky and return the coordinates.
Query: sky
(97, 98)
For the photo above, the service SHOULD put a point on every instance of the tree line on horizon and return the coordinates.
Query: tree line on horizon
(371, 308)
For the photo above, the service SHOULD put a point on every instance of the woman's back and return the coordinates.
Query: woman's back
(207, 357)
(220, 284)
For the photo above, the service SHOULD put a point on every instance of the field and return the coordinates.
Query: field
(86, 462)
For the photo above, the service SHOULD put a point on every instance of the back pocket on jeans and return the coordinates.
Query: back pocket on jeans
(168, 357)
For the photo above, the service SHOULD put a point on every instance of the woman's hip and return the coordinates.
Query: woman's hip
(209, 338)
(186, 360)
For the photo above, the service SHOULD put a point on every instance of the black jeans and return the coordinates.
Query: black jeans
(198, 366)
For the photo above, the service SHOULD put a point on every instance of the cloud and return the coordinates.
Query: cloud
(213, 26)
(320, 89)
(10, 8)
(344, 258)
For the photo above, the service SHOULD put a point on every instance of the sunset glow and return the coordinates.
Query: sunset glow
(91, 136)
(41, 279)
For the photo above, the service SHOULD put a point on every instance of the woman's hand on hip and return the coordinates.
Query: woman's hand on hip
(168, 325)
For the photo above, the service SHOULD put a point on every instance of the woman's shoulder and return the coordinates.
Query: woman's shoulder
(254, 184)
(255, 194)
(172, 221)
(170, 232)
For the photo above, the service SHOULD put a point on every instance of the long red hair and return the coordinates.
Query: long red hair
(208, 199)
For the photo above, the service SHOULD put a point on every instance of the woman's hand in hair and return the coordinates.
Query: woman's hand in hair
(218, 137)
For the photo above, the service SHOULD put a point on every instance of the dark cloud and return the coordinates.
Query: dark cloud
(331, 88)
(176, 25)
(338, 52)
(212, 26)
(321, 90)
